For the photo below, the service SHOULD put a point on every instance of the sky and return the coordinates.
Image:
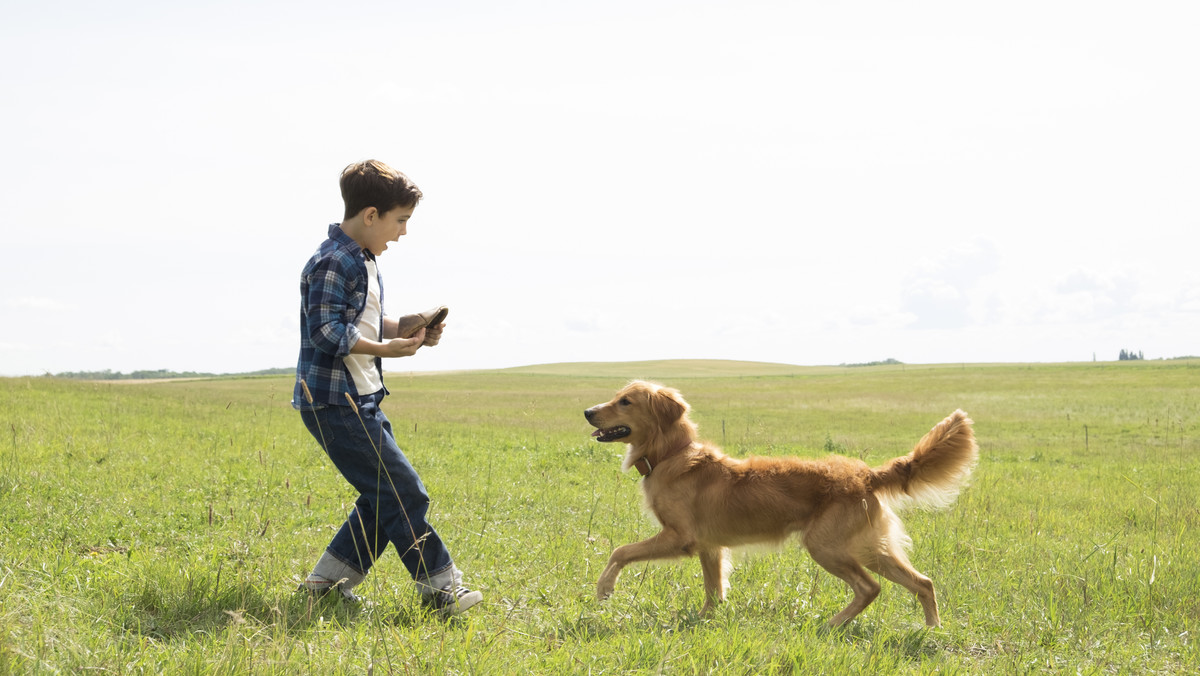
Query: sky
(798, 182)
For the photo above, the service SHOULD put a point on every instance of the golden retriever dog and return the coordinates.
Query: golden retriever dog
(707, 502)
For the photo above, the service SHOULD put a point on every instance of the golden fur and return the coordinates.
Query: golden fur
(708, 502)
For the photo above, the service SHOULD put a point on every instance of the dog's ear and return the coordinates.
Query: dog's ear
(668, 405)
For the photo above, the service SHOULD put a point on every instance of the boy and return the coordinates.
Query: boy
(339, 385)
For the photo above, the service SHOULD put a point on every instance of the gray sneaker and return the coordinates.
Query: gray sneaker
(449, 601)
(319, 587)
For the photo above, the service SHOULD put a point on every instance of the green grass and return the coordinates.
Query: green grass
(161, 527)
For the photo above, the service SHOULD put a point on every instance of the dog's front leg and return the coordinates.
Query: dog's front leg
(664, 545)
(715, 565)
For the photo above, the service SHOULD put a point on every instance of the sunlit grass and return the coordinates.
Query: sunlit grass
(162, 527)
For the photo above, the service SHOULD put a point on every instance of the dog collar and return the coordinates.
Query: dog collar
(643, 463)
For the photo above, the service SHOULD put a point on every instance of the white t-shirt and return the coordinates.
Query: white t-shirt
(362, 366)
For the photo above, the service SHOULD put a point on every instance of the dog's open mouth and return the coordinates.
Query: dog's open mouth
(612, 433)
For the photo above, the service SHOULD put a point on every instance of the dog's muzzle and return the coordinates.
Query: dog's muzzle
(606, 434)
(612, 433)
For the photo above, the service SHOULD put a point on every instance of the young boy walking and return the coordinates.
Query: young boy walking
(339, 385)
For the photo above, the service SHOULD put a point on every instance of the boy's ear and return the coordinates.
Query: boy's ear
(368, 214)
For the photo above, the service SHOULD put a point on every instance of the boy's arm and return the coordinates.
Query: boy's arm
(325, 304)
(394, 347)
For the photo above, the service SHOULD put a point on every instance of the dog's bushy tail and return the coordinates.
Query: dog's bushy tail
(932, 475)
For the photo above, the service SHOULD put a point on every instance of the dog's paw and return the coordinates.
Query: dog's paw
(604, 588)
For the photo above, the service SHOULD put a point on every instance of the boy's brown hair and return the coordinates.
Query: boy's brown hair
(372, 183)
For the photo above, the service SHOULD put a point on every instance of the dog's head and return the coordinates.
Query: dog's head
(644, 415)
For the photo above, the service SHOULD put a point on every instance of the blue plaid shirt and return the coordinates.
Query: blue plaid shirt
(333, 295)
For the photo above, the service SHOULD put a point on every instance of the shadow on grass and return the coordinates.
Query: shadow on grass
(182, 613)
(647, 617)
(913, 644)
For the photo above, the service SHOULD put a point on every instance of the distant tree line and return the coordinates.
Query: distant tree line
(886, 362)
(108, 374)
(1130, 355)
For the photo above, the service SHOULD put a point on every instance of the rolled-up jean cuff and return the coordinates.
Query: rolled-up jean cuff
(450, 576)
(343, 560)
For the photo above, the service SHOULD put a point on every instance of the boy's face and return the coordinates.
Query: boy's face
(385, 227)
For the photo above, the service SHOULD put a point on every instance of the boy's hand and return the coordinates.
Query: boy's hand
(433, 334)
(403, 347)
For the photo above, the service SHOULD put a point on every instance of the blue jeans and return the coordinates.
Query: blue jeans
(392, 501)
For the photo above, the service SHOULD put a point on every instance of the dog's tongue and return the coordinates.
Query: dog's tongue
(597, 433)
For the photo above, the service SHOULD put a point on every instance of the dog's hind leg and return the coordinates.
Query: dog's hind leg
(903, 574)
(887, 557)
(715, 564)
(895, 567)
(833, 554)
(864, 586)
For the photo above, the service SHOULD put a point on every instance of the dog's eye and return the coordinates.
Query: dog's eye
(624, 401)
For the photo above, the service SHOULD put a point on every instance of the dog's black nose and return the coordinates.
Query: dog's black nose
(589, 413)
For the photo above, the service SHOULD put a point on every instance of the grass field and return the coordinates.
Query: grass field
(162, 527)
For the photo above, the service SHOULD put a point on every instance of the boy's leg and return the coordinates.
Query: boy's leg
(437, 578)
(357, 442)
(351, 553)
(332, 573)
(420, 547)
(360, 541)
